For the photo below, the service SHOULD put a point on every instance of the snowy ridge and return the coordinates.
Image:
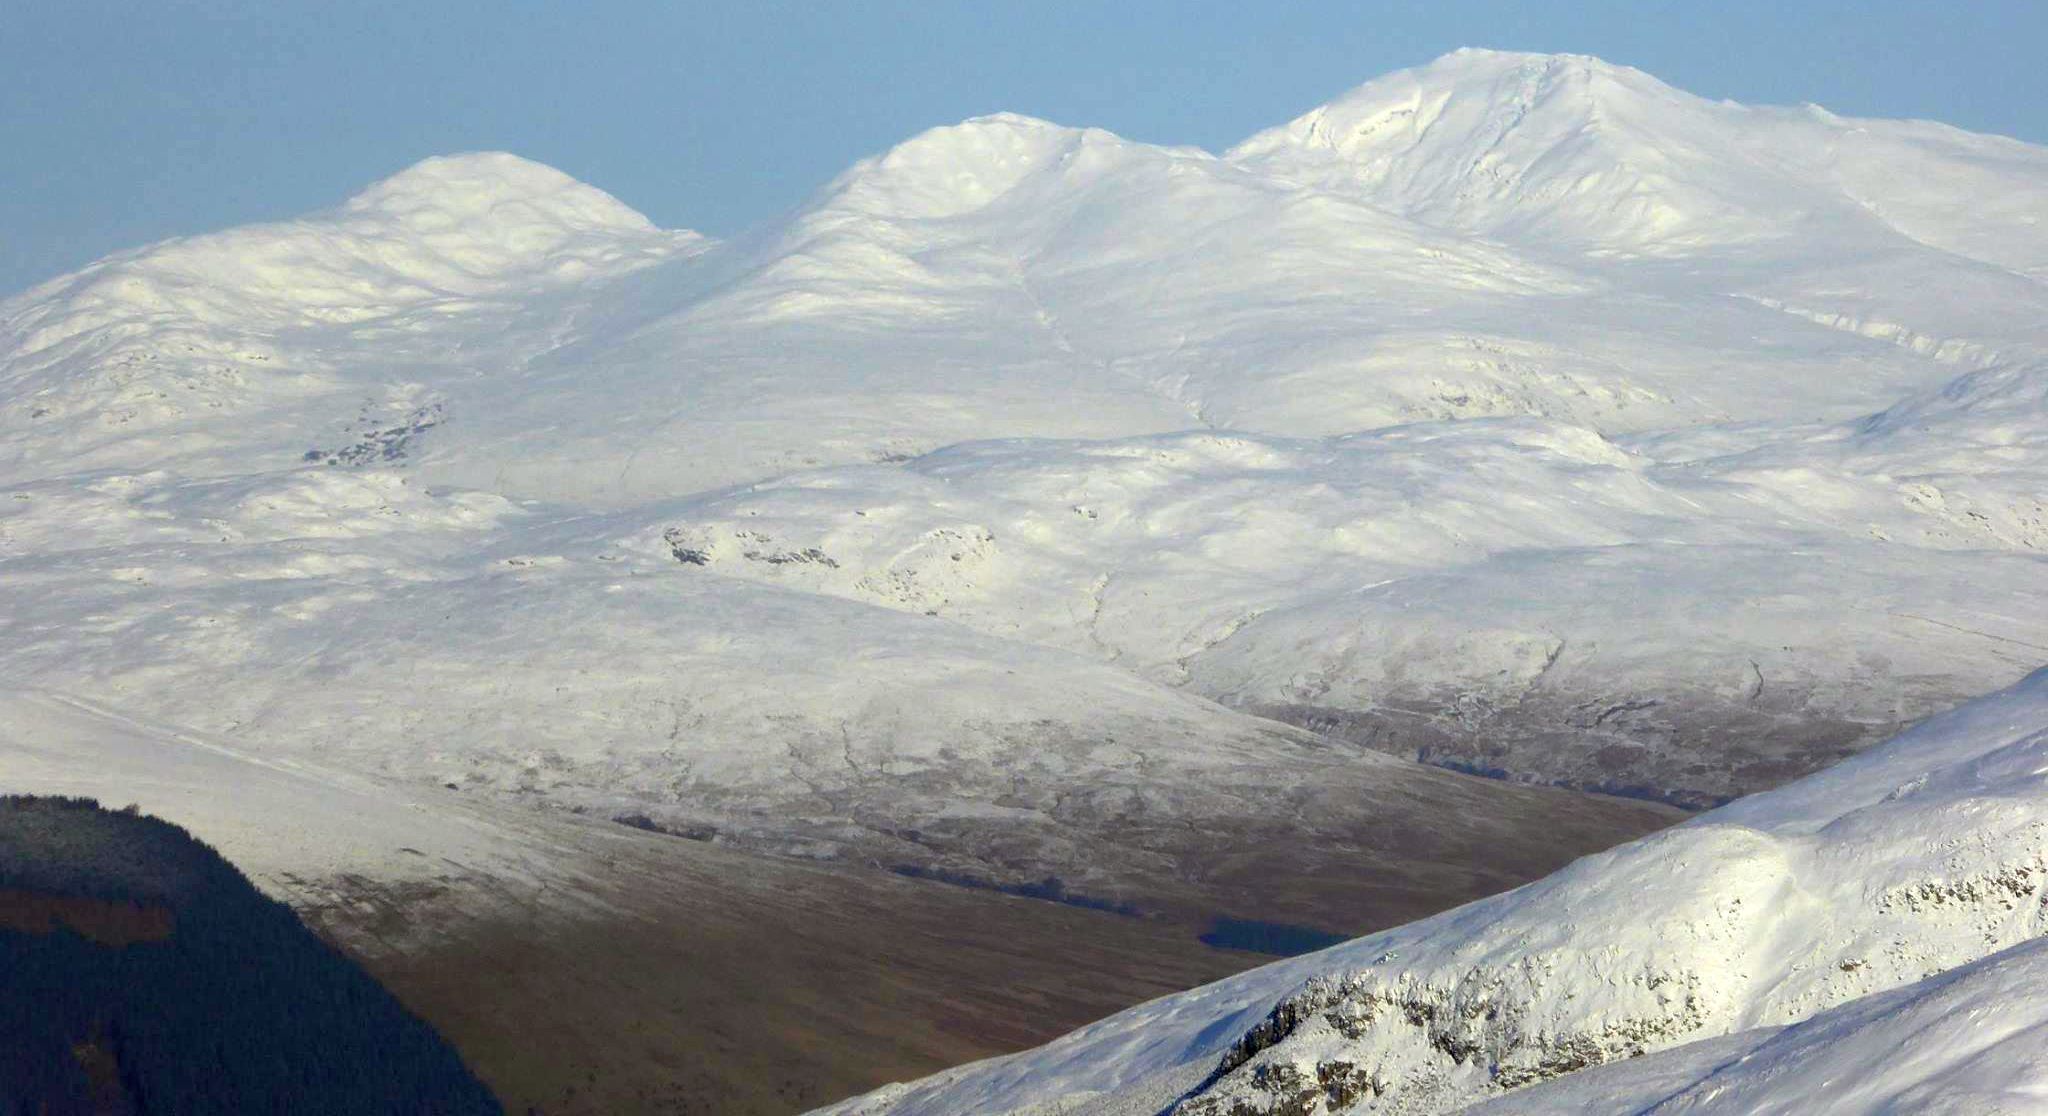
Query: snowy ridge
(193, 346)
(1966, 1041)
(1921, 855)
(1572, 148)
(1550, 145)
(1035, 501)
(1007, 277)
(453, 226)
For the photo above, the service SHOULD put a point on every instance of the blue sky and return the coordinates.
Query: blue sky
(126, 122)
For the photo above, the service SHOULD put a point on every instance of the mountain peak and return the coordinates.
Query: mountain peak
(1487, 57)
(455, 225)
(1561, 146)
(488, 188)
(1489, 91)
(1517, 57)
(1588, 73)
(956, 168)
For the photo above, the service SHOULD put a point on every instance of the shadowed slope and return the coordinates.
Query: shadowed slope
(140, 973)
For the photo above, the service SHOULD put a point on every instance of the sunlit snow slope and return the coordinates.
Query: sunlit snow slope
(1921, 855)
(1972, 1041)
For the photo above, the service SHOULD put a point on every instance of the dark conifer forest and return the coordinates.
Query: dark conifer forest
(141, 973)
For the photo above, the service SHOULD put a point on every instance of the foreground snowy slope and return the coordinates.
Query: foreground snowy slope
(1920, 855)
(1972, 1040)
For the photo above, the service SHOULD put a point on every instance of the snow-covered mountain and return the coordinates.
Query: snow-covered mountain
(1034, 501)
(1924, 854)
(1577, 152)
(1735, 464)
(1009, 277)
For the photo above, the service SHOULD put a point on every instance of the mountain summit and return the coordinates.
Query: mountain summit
(1570, 148)
(1563, 145)
(951, 170)
(492, 191)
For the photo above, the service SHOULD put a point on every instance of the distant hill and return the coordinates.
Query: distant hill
(142, 973)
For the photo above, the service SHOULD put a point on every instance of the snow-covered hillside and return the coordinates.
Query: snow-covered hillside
(1034, 501)
(329, 337)
(1513, 595)
(1519, 413)
(300, 830)
(1916, 857)
(1972, 1041)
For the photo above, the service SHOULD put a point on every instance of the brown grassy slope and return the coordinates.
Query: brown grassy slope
(679, 977)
